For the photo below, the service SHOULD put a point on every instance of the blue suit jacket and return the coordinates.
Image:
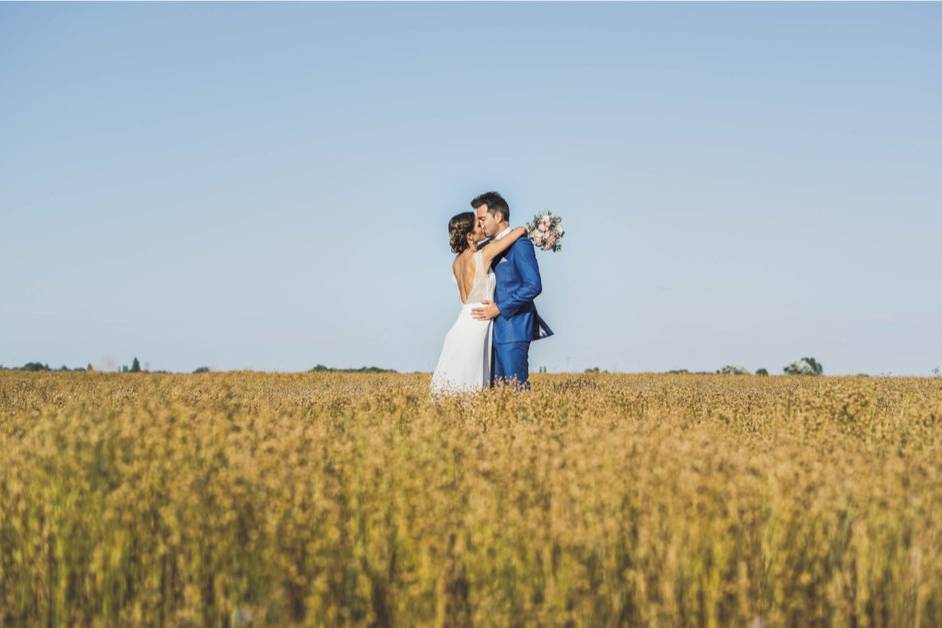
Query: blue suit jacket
(518, 283)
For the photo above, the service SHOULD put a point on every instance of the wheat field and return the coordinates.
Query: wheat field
(241, 498)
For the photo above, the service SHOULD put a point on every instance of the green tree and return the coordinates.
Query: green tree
(762, 372)
(135, 366)
(804, 366)
(732, 370)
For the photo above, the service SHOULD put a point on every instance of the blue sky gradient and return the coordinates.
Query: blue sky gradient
(267, 186)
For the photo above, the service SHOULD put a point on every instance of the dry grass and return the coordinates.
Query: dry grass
(327, 499)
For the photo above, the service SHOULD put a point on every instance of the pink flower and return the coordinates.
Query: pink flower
(543, 226)
(550, 241)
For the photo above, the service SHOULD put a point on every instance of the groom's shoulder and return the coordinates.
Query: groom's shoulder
(523, 242)
(523, 246)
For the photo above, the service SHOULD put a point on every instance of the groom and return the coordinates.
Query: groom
(516, 322)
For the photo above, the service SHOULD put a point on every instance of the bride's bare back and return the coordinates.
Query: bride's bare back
(471, 267)
(464, 268)
(475, 284)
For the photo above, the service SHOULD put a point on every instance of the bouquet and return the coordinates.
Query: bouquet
(545, 231)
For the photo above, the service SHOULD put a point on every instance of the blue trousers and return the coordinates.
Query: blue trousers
(510, 364)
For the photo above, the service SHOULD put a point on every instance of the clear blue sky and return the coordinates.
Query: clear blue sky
(267, 186)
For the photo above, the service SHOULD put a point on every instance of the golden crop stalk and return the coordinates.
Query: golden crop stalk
(337, 499)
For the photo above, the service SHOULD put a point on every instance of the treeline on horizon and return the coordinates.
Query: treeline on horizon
(804, 366)
(135, 367)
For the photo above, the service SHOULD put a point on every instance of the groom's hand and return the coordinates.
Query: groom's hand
(486, 313)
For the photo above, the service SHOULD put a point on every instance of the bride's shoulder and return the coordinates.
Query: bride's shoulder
(462, 260)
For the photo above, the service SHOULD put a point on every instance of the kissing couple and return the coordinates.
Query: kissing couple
(498, 278)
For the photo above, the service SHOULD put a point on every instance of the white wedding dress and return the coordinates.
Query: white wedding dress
(465, 361)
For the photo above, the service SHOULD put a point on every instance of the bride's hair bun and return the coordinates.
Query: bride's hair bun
(459, 227)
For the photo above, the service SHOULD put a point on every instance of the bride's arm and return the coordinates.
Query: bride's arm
(496, 247)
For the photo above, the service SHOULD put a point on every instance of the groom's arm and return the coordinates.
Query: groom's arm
(530, 287)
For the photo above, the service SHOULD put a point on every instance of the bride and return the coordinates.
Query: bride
(465, 361)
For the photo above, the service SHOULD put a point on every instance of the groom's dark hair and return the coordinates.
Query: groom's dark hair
(495, 202)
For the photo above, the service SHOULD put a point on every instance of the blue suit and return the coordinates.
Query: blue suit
(518, 283)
